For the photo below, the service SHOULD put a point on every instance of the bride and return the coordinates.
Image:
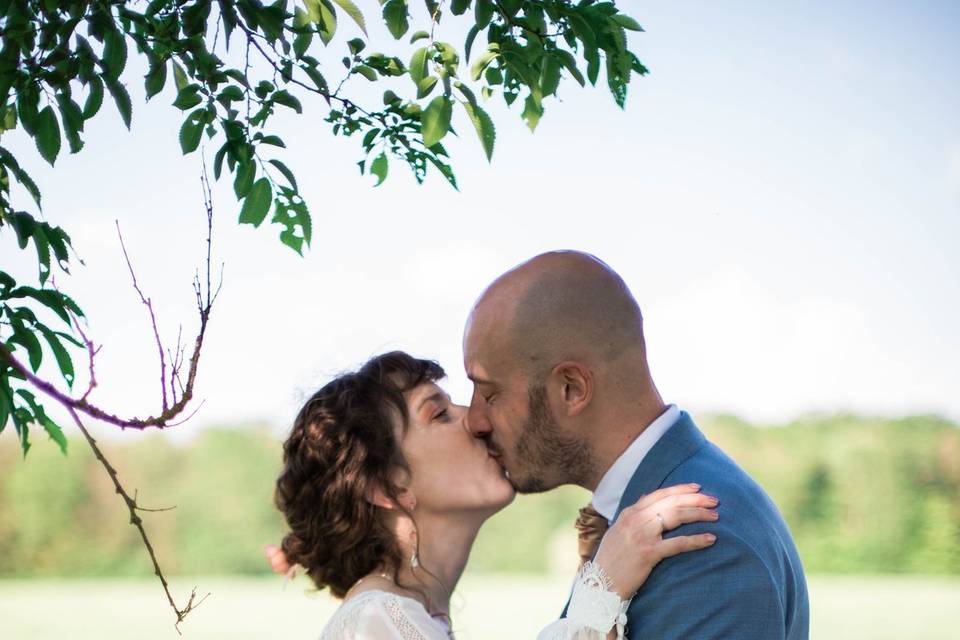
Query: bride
(384, 490)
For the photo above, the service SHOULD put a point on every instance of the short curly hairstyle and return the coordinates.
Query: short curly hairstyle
(342, 446)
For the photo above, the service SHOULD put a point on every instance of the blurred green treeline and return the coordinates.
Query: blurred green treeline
(861, 495)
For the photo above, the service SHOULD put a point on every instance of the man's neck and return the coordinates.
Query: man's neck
(616, 431)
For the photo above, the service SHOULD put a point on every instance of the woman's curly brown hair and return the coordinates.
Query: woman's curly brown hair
(341, 447)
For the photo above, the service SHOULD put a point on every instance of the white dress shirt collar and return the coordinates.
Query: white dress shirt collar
(607, 496)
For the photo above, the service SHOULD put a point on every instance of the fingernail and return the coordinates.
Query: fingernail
(711, 538)
(716, 515)
(713, 500)
(695, 486)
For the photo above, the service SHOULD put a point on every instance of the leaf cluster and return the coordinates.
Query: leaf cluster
(58, 61)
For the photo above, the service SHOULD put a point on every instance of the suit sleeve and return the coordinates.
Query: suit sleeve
(724, 591)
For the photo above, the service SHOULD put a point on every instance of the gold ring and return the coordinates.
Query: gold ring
(663, 525)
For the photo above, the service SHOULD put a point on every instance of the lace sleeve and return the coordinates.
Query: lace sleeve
(594, 610)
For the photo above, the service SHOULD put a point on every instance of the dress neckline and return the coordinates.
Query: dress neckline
(359, 596)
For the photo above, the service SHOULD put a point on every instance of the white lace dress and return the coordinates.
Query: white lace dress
(381, 615)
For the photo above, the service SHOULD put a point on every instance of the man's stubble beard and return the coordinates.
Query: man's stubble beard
(549, 457)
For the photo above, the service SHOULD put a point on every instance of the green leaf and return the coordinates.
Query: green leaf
(285, 98)
(459, 7)
(419, 35)
(122, 98)
(23, 430)
(155, 79)
(48, 135)
(483, 12)
(64, 361)
(291, 212)
(395, 16)
(436, 120)
(59, 303)
(379, 168)
(94, 99)
(5, 408)
(418, 65)
(532, 110)
(25, 337)
(232, 93)
(256, 205)
(627, 22)
(550, 76)
(273, 140)
(482, 62)
(354, 13)
(366, 72)
(218, 160)
(286, 172)
(318, 80)
(114, 54)
(583, 30)
(190, 132)
(510, 7)
(484, 126)
(302, 42)
(179, 76)
(425, 86)
(592, 56)
(246, 172)
(72, 118)
(188, 97)
(568, 61)
(28, 101)
(527, 74)
(468, 44)
(328, 20)
(446, 170)
(39, 415)
(54, 431)
(356, 45)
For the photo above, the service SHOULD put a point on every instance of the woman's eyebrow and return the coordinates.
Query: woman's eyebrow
(436, 396)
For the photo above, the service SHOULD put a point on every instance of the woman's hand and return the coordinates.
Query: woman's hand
(278, 559)
(635, 544)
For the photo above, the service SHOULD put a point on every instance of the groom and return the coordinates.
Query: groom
(563, 395)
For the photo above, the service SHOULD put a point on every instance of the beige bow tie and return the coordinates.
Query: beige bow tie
(590, 529)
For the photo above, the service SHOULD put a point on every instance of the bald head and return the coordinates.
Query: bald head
(559, 306)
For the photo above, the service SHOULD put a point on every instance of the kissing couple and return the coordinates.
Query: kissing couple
(386, 482)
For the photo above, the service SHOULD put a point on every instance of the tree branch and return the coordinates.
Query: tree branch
(137, 522)
(168, 412)
(153, 319)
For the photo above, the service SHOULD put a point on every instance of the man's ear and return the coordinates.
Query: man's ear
(575, 384)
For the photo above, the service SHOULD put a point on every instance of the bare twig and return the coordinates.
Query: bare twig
(137, 522)
(153, 318)
(169, 411)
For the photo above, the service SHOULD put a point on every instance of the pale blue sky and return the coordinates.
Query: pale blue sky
(781, 192)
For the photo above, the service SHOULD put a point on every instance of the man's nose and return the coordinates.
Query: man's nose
(477, 423)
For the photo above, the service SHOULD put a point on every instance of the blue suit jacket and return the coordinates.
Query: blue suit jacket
(749, 585)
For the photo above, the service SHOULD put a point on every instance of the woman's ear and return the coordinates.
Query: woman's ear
(379, 498)
(575, 384)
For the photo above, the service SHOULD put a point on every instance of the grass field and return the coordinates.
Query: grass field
(885, 608)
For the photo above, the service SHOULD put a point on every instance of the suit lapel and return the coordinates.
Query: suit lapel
(680, 441)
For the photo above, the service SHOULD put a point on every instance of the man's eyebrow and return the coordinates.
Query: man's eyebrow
(478, 380)
(436, 396)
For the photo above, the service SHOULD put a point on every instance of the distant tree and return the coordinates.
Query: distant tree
(53, 50)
